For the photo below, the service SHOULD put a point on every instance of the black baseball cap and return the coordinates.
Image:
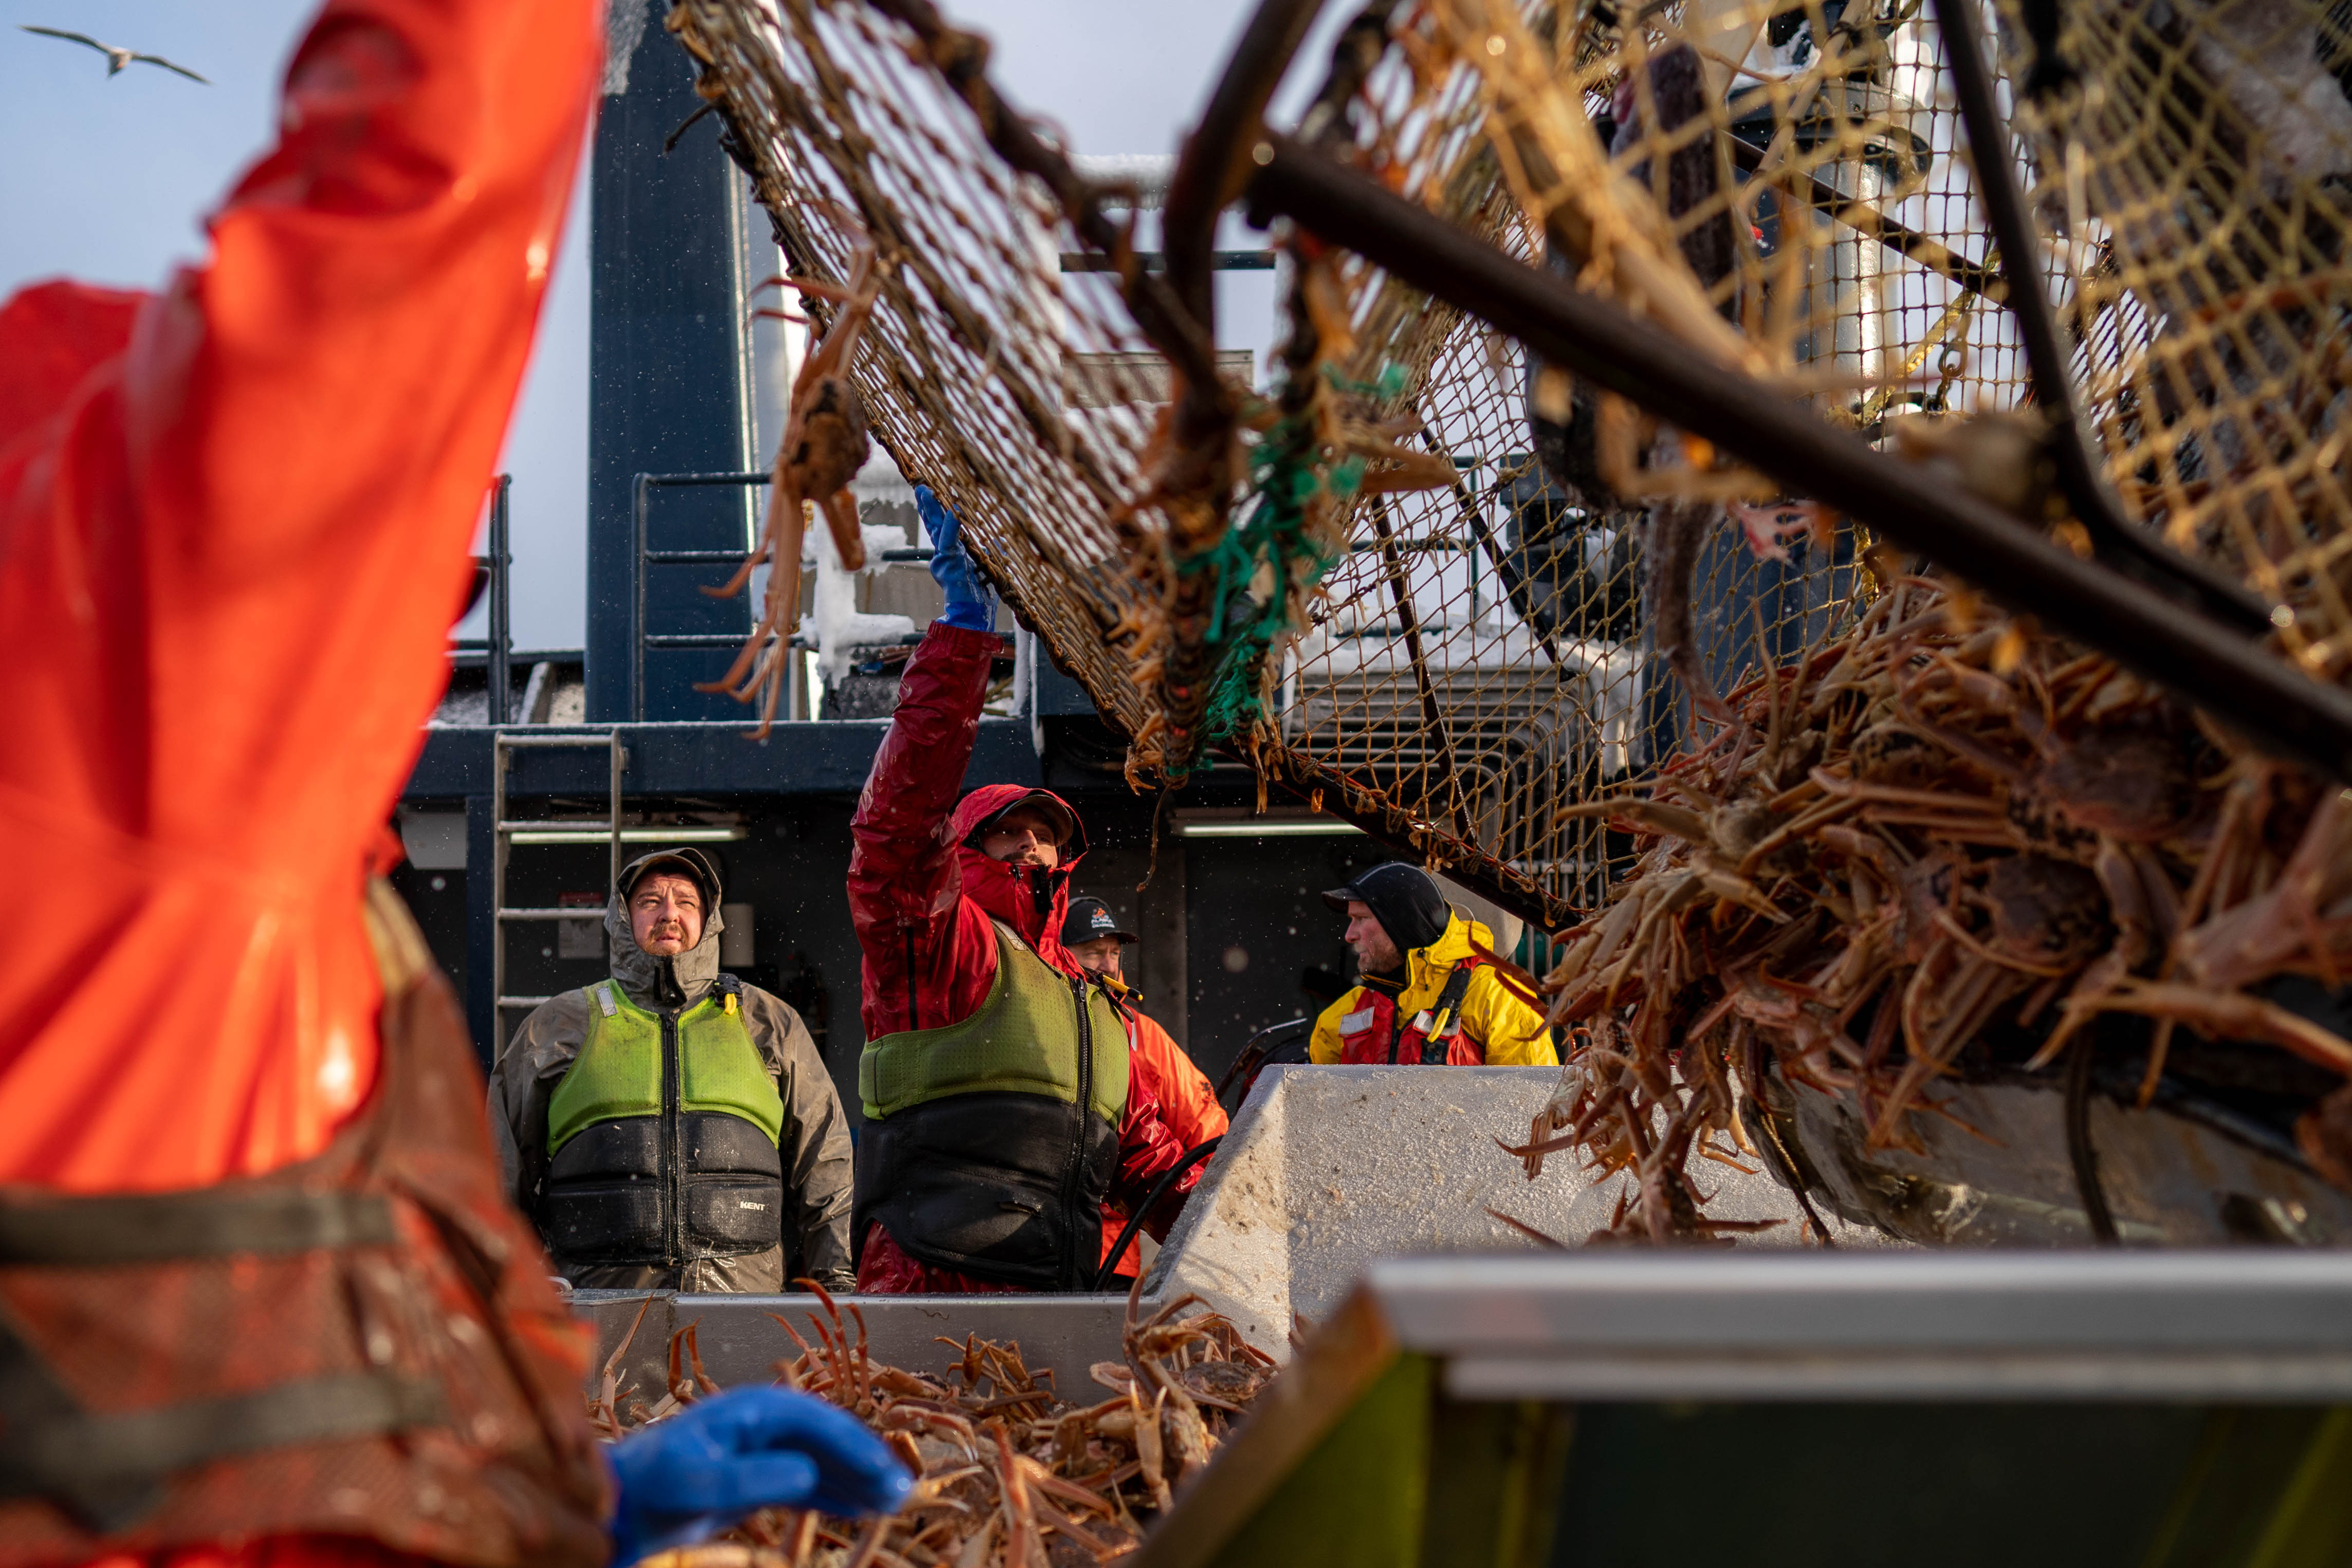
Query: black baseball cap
(1403, 897)
(1090, 920)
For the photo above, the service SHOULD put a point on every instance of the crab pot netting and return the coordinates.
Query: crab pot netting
(1492, 659)
(1781, 188)
(1021, 398)
(1485, 653)
(2191, 163)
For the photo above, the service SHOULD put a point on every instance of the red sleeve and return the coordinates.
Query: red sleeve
(1148, 1147)
(228, 564)
(270, 1551)
(929, 953)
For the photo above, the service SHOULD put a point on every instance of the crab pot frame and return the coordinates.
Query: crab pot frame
(2147, 629)
(1451, 669)
(1419, 162)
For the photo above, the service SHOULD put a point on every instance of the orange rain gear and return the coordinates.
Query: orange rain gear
(1188, 1105)
(234, 521)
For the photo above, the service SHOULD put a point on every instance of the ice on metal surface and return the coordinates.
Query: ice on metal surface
(836, 623)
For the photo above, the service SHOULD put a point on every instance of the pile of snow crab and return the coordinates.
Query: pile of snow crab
(1940, 835)
(1010, 1473)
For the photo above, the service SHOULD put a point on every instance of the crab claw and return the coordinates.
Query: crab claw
(1766, 526)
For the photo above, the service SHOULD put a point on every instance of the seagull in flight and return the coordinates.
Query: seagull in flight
(115, 58)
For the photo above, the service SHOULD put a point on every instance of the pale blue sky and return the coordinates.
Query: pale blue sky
(108, 180)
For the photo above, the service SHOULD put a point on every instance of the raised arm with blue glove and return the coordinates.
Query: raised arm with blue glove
(748, 1448)
(971, 604)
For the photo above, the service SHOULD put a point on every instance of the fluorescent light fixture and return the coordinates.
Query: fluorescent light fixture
(584, 835)
(1269, 828)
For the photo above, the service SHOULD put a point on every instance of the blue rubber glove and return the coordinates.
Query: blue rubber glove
(748, 1448)
(971, 605)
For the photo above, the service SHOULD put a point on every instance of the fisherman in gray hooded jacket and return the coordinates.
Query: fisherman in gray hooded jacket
(670, 1127)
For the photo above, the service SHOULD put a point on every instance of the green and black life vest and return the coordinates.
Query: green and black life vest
(663, 1136)
(989, 1144)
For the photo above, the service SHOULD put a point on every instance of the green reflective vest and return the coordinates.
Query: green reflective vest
(989, 1143)
(618, 1072)
(1024, 1037)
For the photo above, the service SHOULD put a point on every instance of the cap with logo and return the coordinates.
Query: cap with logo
(1090, 920)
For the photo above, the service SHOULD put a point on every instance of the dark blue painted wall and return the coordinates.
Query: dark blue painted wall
(666, 392)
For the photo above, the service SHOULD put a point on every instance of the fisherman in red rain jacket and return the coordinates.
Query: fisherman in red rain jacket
(1003, 1106)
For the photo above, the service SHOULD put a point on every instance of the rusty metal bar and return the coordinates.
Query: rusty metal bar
(2237, 681)
(1198, 503)
(1214, 162)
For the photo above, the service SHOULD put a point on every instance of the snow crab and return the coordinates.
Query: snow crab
(824, 444)
(1010, 1475)
(1935, 826)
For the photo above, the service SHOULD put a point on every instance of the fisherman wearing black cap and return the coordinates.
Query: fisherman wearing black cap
(669, 1127)
(1429, 993)
(1188, 1101)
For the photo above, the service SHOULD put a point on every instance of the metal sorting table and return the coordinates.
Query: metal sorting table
(739, 1341)
(2144, 1410)
(1326, 1169)
(1620, 1408)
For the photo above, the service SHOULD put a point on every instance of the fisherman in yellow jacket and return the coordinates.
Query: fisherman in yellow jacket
(1429, 993)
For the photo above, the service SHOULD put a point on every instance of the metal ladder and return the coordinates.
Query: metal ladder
(504, 743)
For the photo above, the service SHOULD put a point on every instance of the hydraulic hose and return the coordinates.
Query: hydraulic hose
(1192, 1157)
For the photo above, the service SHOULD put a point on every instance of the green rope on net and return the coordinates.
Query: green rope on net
(1388, 386)
(1273, 536)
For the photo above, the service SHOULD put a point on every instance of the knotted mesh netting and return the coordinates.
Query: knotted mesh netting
(2189, 163)
(1433, 609)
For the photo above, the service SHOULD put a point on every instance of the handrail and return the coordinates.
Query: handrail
(639, 638)
(640, 486)
(498, 648)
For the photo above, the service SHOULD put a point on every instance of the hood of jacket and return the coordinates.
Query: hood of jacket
(1033, 902)
(1424, 965)
(642, 974)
